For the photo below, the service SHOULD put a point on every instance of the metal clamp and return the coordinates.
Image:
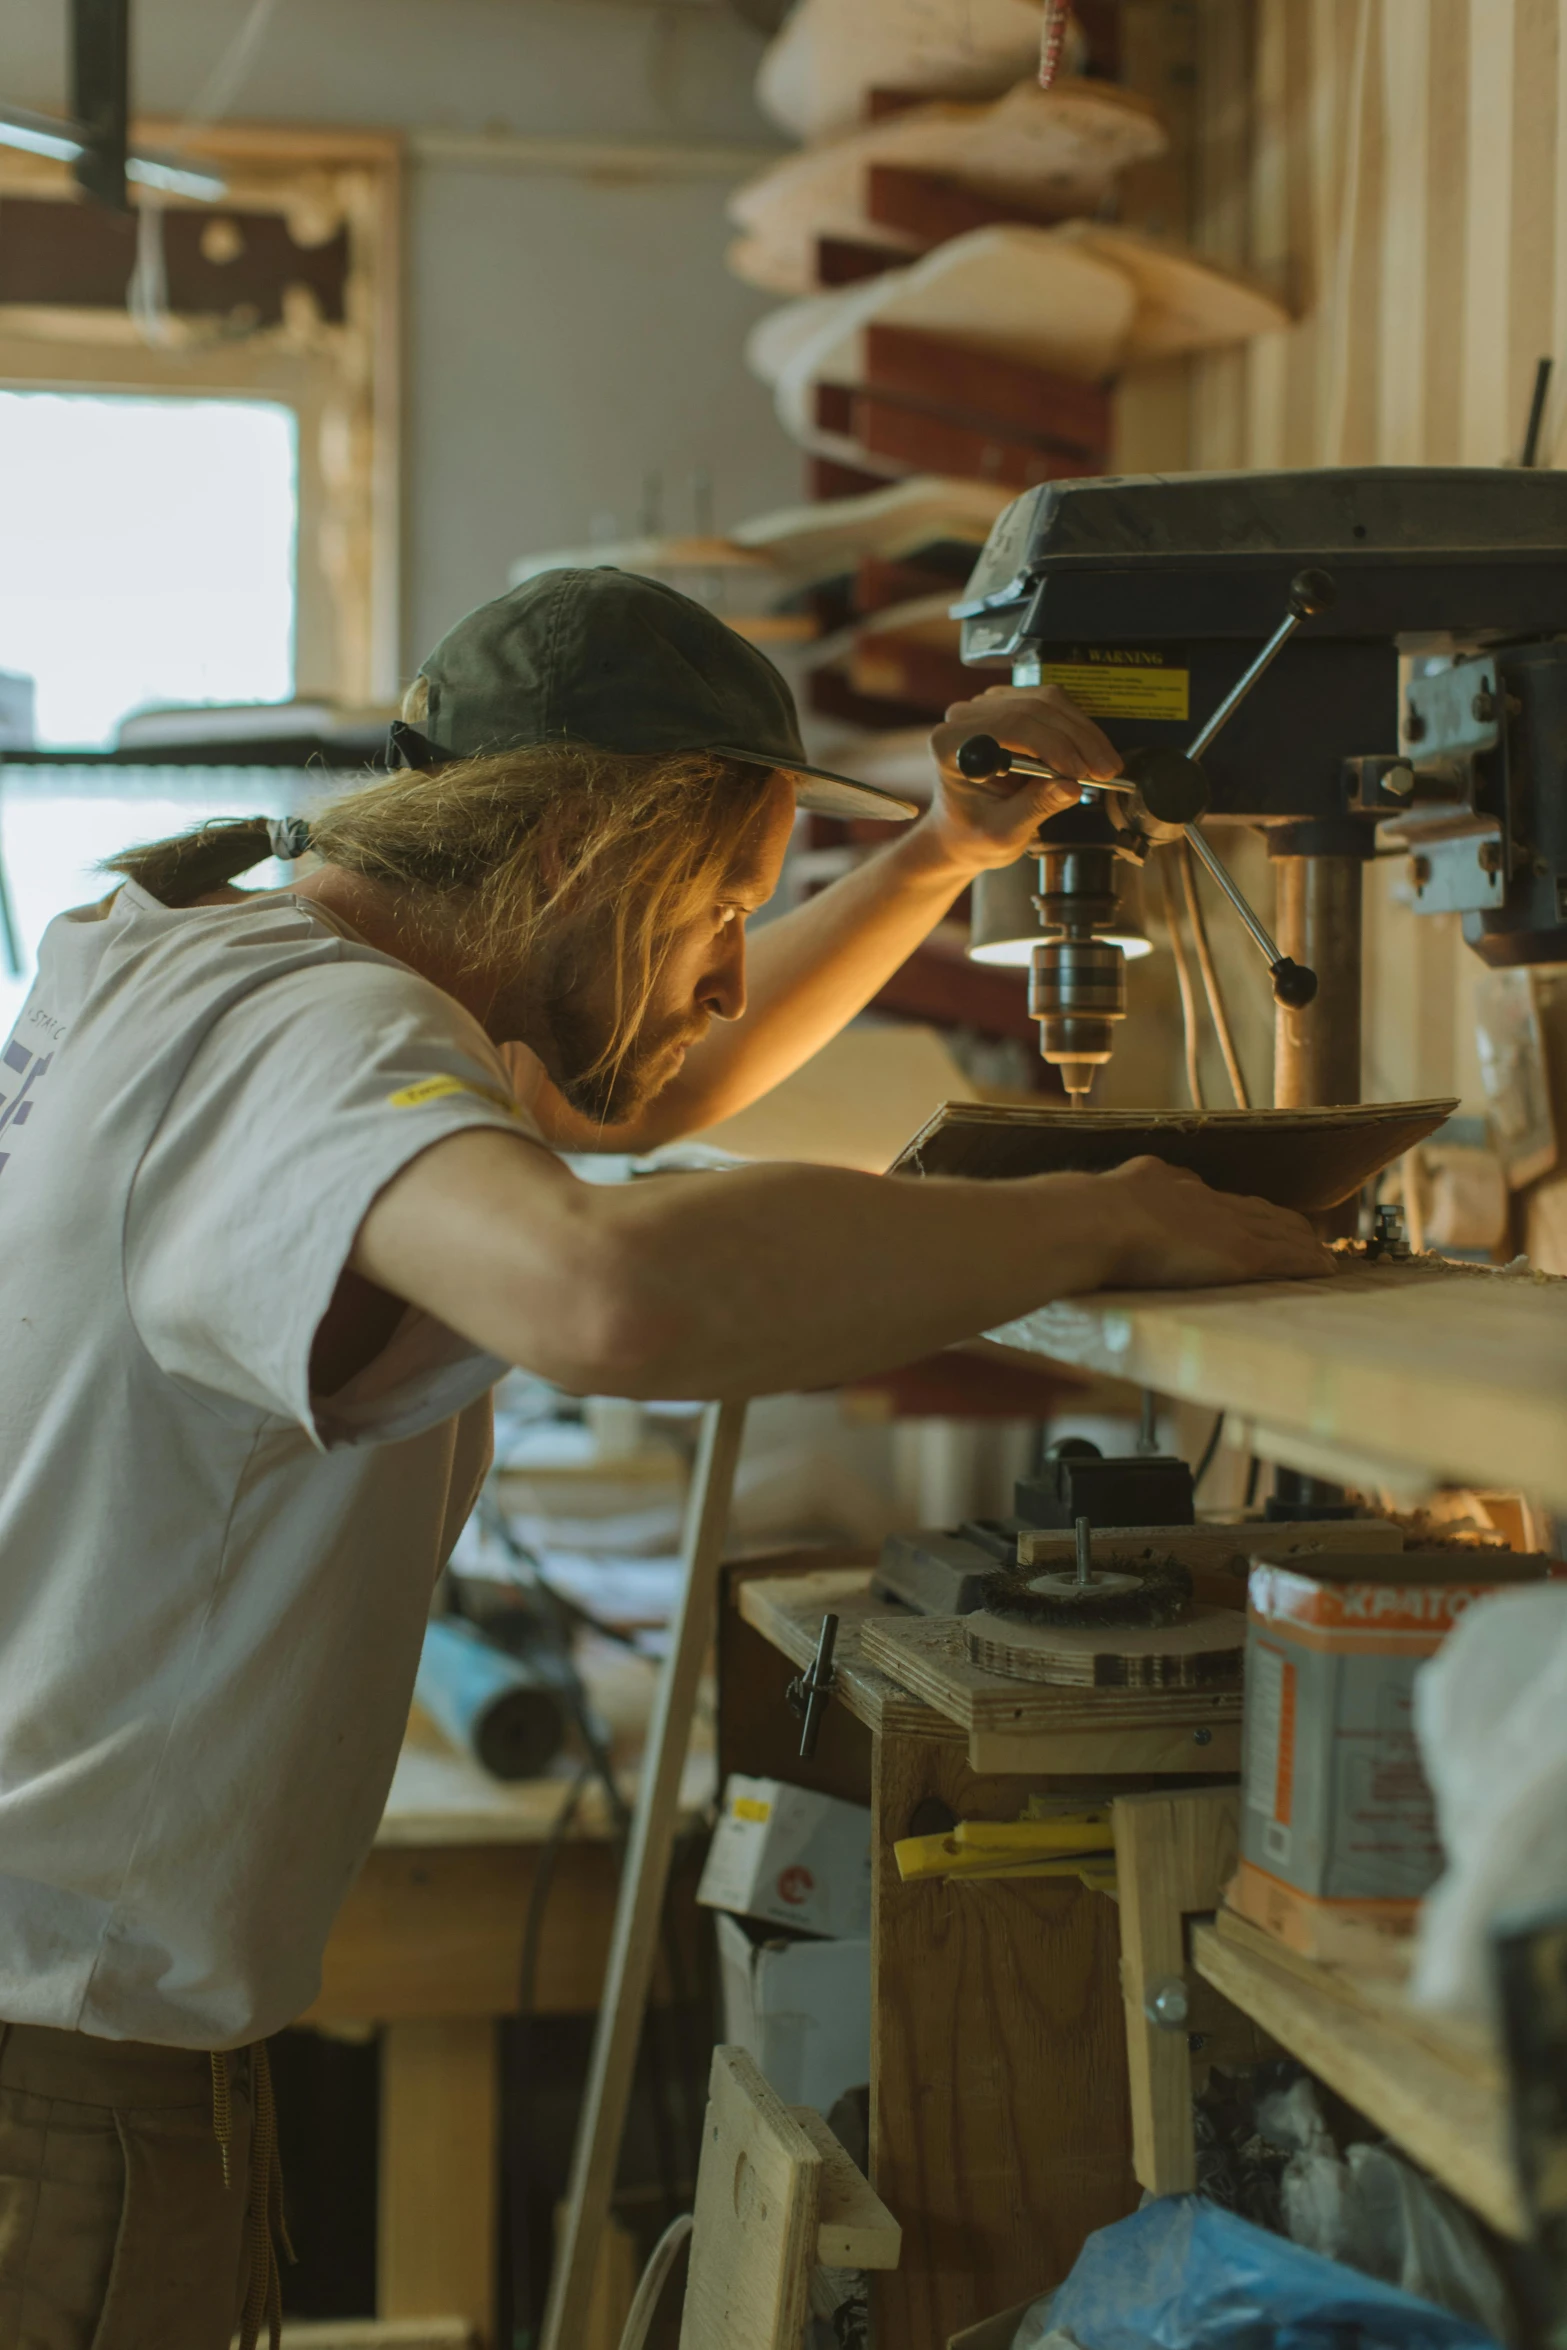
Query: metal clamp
(808, 1693)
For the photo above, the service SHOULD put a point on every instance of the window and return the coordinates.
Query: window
(150, 554)
(58, 823)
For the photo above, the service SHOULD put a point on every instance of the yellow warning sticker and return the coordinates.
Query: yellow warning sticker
(435, 1089)
(750, 1807)
(1106, 690)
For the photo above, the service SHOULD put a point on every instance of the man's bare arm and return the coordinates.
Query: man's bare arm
(780, 1277)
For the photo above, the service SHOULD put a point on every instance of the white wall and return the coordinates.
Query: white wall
(567, 336)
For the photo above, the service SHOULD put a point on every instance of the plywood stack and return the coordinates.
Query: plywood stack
(976, 265)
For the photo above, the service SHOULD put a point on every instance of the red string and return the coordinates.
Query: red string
(1052, 36)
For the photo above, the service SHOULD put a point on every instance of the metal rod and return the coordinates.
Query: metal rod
(1212, 865)
(1210, 980)
(1244, 683)
(1190, 1041)
(1085, 1552)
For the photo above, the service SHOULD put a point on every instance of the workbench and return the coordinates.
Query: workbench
(1016, 2101)
(428, 1946)
(1403, 1374)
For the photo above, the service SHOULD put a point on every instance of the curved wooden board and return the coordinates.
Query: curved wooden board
(815, 76)
(1305, 1159)
(1202, 1653)
(1019, 293)
(1041, 153)
(1183, 303)
(824, 540)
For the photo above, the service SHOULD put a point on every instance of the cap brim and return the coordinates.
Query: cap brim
(827, 794)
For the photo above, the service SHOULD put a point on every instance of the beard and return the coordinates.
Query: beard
(611, 1093)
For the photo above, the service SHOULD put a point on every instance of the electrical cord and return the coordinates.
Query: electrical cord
(1183, 977)
(1209, 1450)
(1210, 979)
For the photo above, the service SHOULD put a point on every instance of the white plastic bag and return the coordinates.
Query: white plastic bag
(1491, 1717)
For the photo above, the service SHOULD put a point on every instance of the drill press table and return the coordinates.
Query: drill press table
(1399, 1375)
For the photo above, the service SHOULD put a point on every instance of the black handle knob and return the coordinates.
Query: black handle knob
(981, 756)
(1173, 788)
(1293, 984)
(1312, 592)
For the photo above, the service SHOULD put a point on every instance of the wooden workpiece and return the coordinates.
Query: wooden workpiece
(1032, 1725)
(1456, 1370)
(1436, 2089)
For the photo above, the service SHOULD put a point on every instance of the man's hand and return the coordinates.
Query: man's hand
(1173, 1232)
(980, 825)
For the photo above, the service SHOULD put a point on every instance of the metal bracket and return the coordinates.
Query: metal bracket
(808, 1693)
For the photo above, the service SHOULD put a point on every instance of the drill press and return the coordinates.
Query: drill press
(1426, 683)
(1333, 657)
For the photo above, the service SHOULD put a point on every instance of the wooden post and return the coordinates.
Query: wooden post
(635, 1946)
(435, 2250)
(1000, 2129)
(1172, 1856)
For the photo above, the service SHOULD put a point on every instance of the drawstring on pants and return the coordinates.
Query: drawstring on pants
(266, 2230)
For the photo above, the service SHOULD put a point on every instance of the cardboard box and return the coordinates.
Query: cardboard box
(792, 1858)
(1338, 1826)
(801, 2009)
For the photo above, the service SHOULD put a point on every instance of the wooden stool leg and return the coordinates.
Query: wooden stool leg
(436, 2242)
(635, 1946)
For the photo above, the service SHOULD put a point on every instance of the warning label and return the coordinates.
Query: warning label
(1120, 681)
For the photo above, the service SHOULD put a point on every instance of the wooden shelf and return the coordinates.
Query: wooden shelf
(1453, 1370)
(1438, 2092)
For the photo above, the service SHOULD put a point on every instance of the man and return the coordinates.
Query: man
(278, 1205)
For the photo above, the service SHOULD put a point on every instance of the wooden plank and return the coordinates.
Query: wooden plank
(788, 1611)
(432, 1932)
(1429, 2105)
(894, 433)
(615, 2277)
(1000, 2131)
(1173, 1854)
(436, 2215)
(1405, 31)
(1470, 2047)
(929, 1655)
(988, 391)
(753, 2238)
(854, 2228)
(633, 1952)
(1458, 1369)
(1111, 1753)
(1218, 1558)
(1488, 433)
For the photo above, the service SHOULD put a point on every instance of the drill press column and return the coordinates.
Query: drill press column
(1316, 1048)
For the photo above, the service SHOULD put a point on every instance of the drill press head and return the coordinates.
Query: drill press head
(1427, 688)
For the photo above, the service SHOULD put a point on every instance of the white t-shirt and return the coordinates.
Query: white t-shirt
(213, 1586)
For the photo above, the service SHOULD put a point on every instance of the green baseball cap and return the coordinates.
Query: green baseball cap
(623, 663)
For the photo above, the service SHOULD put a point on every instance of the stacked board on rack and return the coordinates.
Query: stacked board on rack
(960, 297)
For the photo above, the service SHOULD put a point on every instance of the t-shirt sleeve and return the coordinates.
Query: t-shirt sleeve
(299, 1106)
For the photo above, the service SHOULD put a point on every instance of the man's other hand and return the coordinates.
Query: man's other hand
(1173, 1232)
(987, 824)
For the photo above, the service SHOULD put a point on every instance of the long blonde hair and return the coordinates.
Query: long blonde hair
(637, 842)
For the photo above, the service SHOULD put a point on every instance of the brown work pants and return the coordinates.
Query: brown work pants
(116, 2229)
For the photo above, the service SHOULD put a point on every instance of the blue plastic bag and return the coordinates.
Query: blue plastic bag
(1184, 2274)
